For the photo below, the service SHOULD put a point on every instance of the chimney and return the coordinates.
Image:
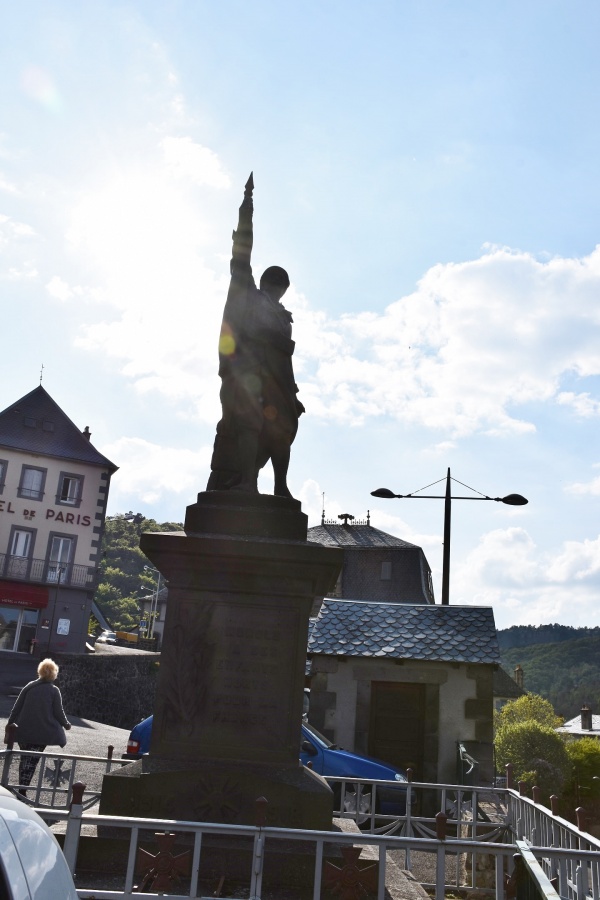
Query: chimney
(519, 676)
(87, 433)
(586, 718)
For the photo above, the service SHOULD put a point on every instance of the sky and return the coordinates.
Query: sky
(428, 175)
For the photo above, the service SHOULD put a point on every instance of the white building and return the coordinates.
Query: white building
(53, 494)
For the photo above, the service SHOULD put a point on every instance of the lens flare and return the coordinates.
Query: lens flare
(226, 344)
(39, 85)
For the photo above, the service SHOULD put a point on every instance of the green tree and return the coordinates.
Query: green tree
(582, 787)
(529, 708)
(122, 578)
(537, 753)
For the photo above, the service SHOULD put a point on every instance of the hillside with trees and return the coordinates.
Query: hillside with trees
(122, 578)
(560, 663)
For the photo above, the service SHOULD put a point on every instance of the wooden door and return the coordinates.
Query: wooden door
(397, 724)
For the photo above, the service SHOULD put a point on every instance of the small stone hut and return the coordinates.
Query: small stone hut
(406, 683)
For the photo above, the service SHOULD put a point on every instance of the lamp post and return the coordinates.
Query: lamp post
(154, 604)
(510, 499)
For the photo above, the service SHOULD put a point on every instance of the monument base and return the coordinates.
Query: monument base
(229, 698)
(218, 791)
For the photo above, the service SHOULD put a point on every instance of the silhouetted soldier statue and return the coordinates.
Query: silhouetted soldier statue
(258, 390)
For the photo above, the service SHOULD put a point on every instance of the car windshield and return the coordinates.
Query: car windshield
(319, 737)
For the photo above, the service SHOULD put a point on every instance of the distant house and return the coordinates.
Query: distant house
(505, 688)
(406, 683)
(53, 494)
(586, 724)
(377, 567)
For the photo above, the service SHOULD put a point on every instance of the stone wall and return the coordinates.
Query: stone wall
(113, 689)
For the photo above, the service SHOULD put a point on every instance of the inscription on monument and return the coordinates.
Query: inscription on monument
(247, 689)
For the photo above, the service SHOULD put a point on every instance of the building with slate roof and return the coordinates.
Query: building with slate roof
(505, 688)
(53, 494)
(378, 567)
(406, 683)
(586, 724)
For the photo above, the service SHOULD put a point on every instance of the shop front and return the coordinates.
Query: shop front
(20, 606)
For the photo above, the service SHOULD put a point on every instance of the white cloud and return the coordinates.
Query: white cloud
(7, 186)
(463, 354)
(187, 159)
(149, 472)
(591, 487)
(12, 230)
(59, 289)
(526, 585)
(583, 404)
(472, 344)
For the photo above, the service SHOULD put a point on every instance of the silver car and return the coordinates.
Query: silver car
(32, 865)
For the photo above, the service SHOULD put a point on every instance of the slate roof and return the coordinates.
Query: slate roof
(365, 549)
(573, 726)
(355, 536)
(37, 424)
(402, 631)
(505, 686)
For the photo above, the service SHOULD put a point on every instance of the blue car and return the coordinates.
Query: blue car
(328, 760)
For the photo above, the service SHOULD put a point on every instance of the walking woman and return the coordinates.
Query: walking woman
(40, 719)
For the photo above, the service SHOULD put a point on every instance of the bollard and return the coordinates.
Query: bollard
(409, 775)
(71, 844)
(261, 812)
(508, 768)
(554, 804)
(111, 750)
(522, 788)
(10, 735)
(581, 818)
(440, 826)
(77, 795)
(440, 865)
(536, 793)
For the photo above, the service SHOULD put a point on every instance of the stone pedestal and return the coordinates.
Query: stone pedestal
(227, 717)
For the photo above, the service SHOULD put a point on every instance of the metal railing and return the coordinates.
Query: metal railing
(176, 866)
(331, 865)
(56, 774)
(567, 854)
(23, 568)
(473, 838)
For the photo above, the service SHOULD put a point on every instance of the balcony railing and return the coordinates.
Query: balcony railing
(23, 568)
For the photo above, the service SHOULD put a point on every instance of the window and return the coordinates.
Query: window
(69, 489)
(386, 571)
(59, 558)
(21, 551)
(3, 467)
(21, 543)
(32, 483)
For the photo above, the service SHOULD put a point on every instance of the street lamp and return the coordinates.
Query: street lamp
(510, 499)
(154, 604)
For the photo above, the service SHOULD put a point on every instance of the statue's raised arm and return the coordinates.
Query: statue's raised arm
(258, 390)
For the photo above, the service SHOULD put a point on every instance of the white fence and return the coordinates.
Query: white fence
(470, 843)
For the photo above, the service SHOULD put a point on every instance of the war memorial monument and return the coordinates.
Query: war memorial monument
(242, 579)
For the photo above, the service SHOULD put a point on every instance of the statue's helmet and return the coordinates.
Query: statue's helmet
(275, 275)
